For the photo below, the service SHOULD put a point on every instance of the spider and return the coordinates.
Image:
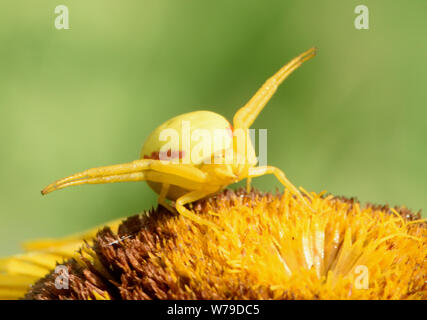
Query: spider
(176, 171)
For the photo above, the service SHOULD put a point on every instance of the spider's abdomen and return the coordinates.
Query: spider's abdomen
(189, 138)
(192, 138)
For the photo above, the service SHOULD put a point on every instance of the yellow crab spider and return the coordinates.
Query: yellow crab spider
(177, 172)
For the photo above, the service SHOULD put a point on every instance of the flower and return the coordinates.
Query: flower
(268, 247)
(19, 272)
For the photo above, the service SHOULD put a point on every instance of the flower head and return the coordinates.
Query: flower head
(269, 247)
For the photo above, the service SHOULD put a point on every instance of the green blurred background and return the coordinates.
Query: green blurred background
(352, 121)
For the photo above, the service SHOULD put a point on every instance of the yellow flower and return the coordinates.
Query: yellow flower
(19, 272)
(269, 247)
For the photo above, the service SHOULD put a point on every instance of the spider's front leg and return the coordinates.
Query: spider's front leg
(185, 176)
(246, 115)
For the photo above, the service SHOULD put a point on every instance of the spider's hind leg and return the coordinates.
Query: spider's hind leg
(191, 197)
(248, 184)
(280, 175)
(162, 198)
